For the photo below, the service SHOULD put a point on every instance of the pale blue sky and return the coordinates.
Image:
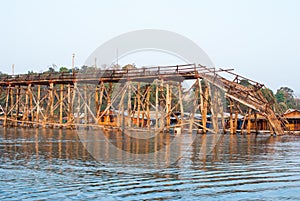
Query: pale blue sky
(259, 38)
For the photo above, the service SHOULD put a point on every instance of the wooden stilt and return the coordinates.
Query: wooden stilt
(70, 119)
(78, 105)
(249, 122)
(139, 104)
(193, 109)
(148, 107)
(162, 115)
(121, 110)
(86, 98)
(180, 105)
(12, 104)
(61, 104)
(156, 104)
(100, 99)
(51, 100)
(129, 105)
(97, 99)
(214, 113)
(17, 105)
(204, 110)
(38, 103)
(6, 105)
(235, 122)
(26, 109)
(168, 107)
(31, 106)
(231, 116)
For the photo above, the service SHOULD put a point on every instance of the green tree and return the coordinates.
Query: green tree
(64, 70)
(31, 72)
(280, 97)
(286, 95)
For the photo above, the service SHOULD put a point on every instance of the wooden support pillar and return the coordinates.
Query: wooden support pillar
(69, 105)
(193, 109)
(17, 105)
(6, 105)
(148, 107)
(61, 98)
(73, 92)
(100, 99)
(78, 105)
(156, 104)
(168, 107)
(89, 109)
(139, 104)
(129, 105)
(86, 99)
(51, 100)
(38, 104)
(121, 110)
(12, 103)
(231, 116)
(214, 112)
(97, 99)
(202, 105)
(31, 106)
(235, 122)
(109, 95)
(180, 105)
(170, 102)
(204, 110)
(162, 116)
(249, 122)
(25, 108)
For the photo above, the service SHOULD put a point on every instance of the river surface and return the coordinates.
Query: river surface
(40, 164)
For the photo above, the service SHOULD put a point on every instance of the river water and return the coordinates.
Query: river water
(39, 164)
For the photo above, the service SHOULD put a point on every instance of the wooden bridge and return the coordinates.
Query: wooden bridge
(145, 98)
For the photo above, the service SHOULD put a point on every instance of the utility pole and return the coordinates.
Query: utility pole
(73, 57)
(13, 69)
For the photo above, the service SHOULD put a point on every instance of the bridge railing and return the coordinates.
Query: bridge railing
(103, 73)
(96, 74)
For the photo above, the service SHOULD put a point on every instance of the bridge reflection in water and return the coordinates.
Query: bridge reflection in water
(116, 148)
(54, 164)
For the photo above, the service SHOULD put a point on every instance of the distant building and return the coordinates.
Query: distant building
(293, 118)
(257, 122)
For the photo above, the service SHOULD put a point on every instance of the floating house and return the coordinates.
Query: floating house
(108, 118)
(293, 119)
(257, 122)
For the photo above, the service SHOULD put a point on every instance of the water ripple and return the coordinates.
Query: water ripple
(60, 169)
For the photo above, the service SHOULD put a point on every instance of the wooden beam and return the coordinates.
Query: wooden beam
(61, 103)
(156, 104)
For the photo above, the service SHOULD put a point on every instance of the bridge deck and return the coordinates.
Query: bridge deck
(178, 73)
